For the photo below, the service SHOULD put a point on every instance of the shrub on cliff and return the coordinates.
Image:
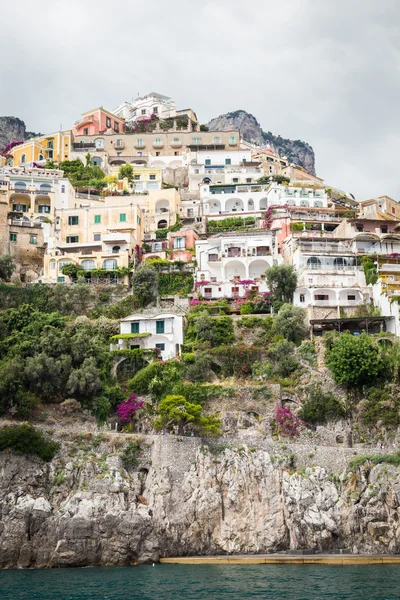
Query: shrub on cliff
(320, 407)
(290, 322)
(176, 410)
(282, 282)
(25, 439)
(356, 360)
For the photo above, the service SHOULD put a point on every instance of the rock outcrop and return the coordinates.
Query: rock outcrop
(13, 129)
(297, 152)
(184, 498)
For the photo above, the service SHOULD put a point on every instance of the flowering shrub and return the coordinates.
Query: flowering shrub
(9, 147)
(128, 409)
(287, 422)
(194, 302)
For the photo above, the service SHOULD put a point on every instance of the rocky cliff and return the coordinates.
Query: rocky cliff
(297, 151)
(13, 129)
(187, 497)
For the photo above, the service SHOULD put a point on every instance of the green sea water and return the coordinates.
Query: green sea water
(208, 582)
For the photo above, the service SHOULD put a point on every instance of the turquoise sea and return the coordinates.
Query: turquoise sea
(205, 582)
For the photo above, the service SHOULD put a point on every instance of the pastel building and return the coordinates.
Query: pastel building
(56, 147)
(152, 329)
(149, 104)
(231, 263)
(96, 121)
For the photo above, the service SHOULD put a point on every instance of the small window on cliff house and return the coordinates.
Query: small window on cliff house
(302, 298)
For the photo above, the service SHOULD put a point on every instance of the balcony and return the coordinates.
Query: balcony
(324, 248)
(22, 223)
(159, 144)
(139, 144)
(233, 142)
(83, 146)
(119, 146)
(176, 144)
(389, 267)
(214, 258)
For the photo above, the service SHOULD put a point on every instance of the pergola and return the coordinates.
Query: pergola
(351, 324)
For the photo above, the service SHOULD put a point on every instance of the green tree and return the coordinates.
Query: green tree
(290, 322)
(356, 360)
(282, 282)
(126, 171)
(144, 285)
(176, 410)
(7, 267)
(283, 358)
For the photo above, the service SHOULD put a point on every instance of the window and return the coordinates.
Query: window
(160, 347)
(116, 249)
(143, 111)
(73, 220)
(135, 327)
(321, 297)
(62, 263)
(63, 189)
(72, 239)
(235, 180)
(196, 140)
(152, 177)
(228, 161)
(100, 143)
(116, 127)
(139, 142)
(137, 177)
(176, 153)
(157, 154)
(359, 227)
(108, 122)
(96, 237)
(217, 139)
(23, 159)
(97, 219)
(384, 228)
(61, 279)
(86, 131)
(13, 237)
(41, 156)
(248, 179)
(110, 264)
(44, 208)
(50, 144)
(302, 298)
(33, 239)
(122, 217)
(52, 265)
(119, 143)
(141, 154)
(160, 326)
(51, 154)
(176, 140)
(235, 290)
(19, 207)
(158, 140)
(179, 243)
(232, 139)
(351, 297)
(207, 162)
(88, 265)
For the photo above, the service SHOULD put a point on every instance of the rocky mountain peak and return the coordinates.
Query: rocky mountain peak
(13, 129)
(297, 151)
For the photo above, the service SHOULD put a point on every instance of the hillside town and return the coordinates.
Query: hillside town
(160, 188)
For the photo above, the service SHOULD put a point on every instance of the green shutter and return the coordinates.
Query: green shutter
(13, 237)
(122, 217)
(135, 327)
(159, 326)
(97, 218)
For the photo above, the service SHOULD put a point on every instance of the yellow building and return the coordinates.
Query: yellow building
(56, 146)
(145, 179)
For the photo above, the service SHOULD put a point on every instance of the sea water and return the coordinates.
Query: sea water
(208, 582)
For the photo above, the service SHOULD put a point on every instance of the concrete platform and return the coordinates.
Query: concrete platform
(285, 559)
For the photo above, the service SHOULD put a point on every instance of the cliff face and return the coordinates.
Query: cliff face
(13, 129)
(297, 151)
(183, 499)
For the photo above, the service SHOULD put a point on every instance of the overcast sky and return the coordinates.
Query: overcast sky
(324, 71)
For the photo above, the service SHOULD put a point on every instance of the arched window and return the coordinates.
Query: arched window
(52, 264)
(96, 160)
(340, 263)
(23, 159)
(88, 265)
(45, 187)
(41, 157)
(162, 224)
(116, 249)
(110, 264)
(20, 185)
(314, 263)
(63, 189)
(318, 203)
(99, 143)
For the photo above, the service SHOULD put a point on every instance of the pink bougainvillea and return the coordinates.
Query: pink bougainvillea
(287, 422)
(128, 409)
(9, 147)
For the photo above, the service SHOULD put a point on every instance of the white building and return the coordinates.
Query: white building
(150, 329)
(231, 263)
(145, 106)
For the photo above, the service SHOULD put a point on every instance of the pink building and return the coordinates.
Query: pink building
(182, 244)
(98, 121)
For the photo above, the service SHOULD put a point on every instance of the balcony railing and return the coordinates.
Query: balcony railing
(21, 223)
(389, 267)
(321, 247)
(84, 146)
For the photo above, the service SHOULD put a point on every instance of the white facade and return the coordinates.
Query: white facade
(172, 162)
(330, 297)
(165, 331)
(144, 106)
(222, 174)
(387, 309)
(229, 264)
(231, 199)
(219, 157)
